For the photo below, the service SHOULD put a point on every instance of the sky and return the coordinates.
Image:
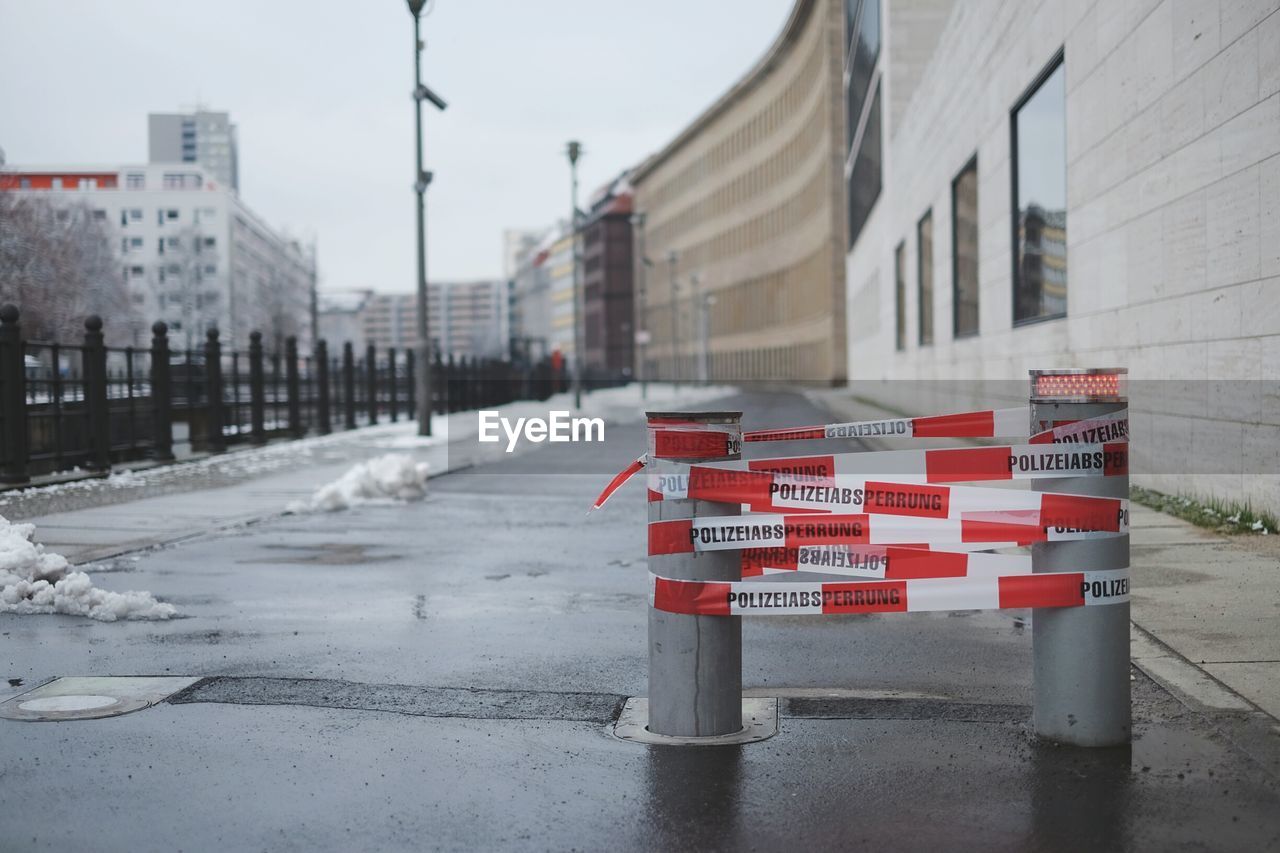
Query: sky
(321, 93)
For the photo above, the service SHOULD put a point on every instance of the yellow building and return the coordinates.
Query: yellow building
(744, 221)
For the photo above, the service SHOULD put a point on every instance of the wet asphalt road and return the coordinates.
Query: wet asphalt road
(442, 675)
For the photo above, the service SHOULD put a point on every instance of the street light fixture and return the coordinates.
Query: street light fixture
(422, 180)
(574, 150)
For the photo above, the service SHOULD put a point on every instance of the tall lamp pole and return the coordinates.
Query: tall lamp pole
(642, 333)
(672, 258)
(422, 179)
(574, 150)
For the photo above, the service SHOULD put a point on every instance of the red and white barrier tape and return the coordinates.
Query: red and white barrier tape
(674, 440)
(989, 423)
(739, 598)
(756, 482)
(770, 530)
(880, 562)
(922, 500)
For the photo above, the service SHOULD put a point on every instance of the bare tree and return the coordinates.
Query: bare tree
(58, 267)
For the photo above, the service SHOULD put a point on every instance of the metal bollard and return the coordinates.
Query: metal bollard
(1081, 654)
(695, 662)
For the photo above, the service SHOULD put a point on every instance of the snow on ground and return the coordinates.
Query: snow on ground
(620, 405)
(33, 580)
(391, 477)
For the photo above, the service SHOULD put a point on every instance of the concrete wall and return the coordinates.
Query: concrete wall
(1173, 219)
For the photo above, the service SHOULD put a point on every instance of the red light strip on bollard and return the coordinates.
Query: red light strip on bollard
(746, 598)
(880, 562)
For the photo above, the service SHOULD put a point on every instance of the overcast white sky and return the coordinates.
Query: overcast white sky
(320, 91)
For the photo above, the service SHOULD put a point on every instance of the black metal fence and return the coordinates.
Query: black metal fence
(92, 406)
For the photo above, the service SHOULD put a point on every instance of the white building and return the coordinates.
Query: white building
(533, 336)
(464, 318)
(203, 137)
(191, 252)
(1066, 183)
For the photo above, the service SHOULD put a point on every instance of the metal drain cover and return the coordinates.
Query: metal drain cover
(91, 698)
(759, 722)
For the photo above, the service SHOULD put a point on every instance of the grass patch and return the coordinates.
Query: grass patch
(1220, 515)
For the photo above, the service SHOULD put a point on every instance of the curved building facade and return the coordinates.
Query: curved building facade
(742, 220)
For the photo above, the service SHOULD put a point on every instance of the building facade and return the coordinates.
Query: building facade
(191, 252)
(1078, 184)
(608, 296)
(744, 221)
(203, 137)
(465, 319)
(530, 298)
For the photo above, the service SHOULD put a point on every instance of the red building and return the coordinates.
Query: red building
(607, 283)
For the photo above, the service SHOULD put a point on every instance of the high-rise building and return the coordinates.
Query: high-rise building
(191, 252)
(204, 137)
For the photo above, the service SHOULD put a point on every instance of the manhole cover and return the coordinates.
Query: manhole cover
(91, 697)
(68, 703)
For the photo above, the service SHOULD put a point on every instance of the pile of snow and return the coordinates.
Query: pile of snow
(392, 477)
(35, 581)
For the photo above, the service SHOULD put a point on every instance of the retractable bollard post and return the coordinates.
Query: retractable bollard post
(695, 662)
(1081, 654)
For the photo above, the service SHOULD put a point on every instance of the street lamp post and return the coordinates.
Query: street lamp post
(422, 179)
(574, 150)
(642, 332)
(672, 258)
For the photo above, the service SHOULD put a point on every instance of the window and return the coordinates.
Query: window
(174, 269)
(135, 213)
(964, 251)
(24, 183)
(87, 183)
(862, 109)
(172, 242)
(899, 297)
(56, 183)
(135, 242)
(136, 272)
(135, 181)
(864, 181)
(924, 278)
(171, 214)
(210, 242)
(100, 215)
(210, 269)
(1039, 129)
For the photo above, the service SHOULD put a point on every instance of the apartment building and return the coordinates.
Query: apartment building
(191, 252)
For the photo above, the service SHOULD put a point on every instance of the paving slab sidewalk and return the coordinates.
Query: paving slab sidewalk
(1199, 597)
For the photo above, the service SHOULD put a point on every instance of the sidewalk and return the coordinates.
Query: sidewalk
(1199, 598)
(130, 511)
